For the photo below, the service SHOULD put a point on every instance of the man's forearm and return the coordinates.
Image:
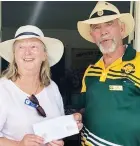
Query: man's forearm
(8, 142)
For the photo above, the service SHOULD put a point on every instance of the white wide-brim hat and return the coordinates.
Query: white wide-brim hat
(54, 47)
(104, 12)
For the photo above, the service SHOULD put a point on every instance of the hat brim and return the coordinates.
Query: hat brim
(54, 47)
(84, 26)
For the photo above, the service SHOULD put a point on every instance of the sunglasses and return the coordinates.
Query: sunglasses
(39, 109)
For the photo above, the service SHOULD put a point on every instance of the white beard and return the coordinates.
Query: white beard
(107, 50)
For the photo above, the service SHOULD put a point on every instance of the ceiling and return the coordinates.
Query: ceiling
(52, 14)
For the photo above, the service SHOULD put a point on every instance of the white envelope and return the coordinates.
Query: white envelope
(56, 128)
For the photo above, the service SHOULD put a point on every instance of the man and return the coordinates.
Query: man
(111, 87)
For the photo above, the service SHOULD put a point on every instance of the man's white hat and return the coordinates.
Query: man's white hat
(104, 12)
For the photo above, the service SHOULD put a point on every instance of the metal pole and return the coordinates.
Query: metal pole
(131, 36)
(137, 26)
(0, 32)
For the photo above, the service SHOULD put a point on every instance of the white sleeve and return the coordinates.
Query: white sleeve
(3, 114)
(58, 96)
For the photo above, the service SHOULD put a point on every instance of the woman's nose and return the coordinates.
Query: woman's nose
(27, 50)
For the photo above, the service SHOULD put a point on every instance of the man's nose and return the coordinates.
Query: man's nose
(103, 30)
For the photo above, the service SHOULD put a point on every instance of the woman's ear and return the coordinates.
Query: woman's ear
(45, 56)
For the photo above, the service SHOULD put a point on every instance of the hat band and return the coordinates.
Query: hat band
(26, 33)
(103, 13)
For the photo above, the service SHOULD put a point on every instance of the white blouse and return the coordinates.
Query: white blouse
(17, 118)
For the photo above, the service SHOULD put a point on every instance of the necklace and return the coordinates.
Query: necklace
(36, 89)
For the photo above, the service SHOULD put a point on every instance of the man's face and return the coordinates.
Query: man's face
(107, 36)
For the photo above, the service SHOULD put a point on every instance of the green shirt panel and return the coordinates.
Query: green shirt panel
(113, 115)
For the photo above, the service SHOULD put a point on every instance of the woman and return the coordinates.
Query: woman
(27, 92)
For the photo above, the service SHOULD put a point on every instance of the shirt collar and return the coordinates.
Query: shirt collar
(129, 54)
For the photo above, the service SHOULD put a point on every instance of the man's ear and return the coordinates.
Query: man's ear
(91, 36)
(122, 29)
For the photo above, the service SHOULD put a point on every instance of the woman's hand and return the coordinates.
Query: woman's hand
(78, 119)
(31, 140)
(56, 143)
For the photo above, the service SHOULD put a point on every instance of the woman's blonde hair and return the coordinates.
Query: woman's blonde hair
(12, 71)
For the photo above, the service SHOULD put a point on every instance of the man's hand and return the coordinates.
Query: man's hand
(78, 119)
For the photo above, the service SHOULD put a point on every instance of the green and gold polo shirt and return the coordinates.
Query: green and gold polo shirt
(111, 98)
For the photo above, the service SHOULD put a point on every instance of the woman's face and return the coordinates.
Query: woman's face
(29, 54)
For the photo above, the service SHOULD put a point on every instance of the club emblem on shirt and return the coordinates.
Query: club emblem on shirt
(128, 68)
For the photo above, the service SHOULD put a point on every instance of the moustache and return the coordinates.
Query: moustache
(106, 39)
